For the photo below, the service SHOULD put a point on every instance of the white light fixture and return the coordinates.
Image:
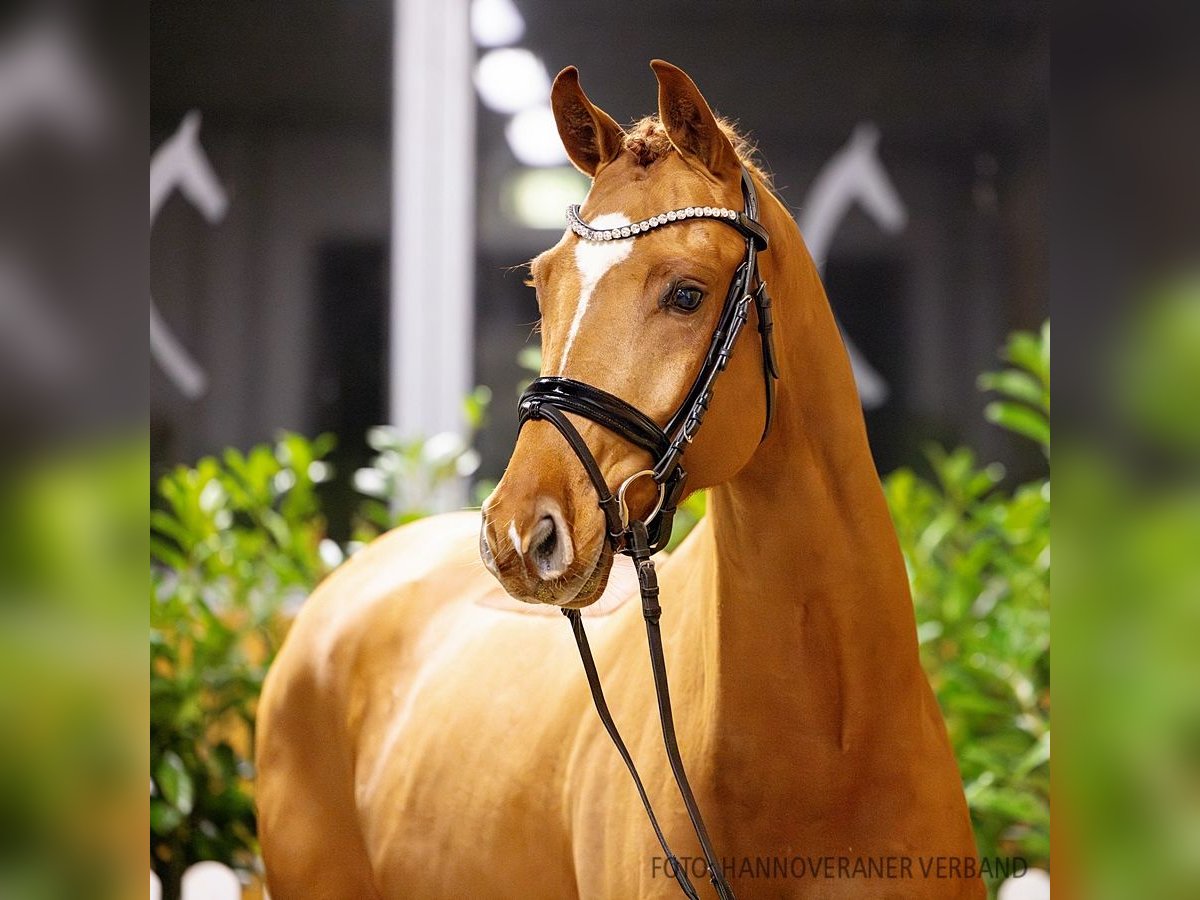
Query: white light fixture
(511, 79)
(533, 138)
(496, 23)
(538, 198)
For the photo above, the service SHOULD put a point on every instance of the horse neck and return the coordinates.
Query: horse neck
(812, 605)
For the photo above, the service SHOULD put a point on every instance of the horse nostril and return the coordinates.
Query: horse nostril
(544, 538)
(485, 550)
(548, 549)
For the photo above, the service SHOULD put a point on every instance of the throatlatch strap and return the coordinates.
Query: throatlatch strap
(593, 678)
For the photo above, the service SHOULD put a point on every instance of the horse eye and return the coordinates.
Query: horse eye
(686, 299)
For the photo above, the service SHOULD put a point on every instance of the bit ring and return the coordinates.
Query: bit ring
(662, 496)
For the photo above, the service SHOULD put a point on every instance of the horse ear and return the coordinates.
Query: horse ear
(590, 135)
(689, 122)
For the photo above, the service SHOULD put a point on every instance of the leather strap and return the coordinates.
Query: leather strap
(766, 331)
(640, 551)
(534, 408)
(608, 503)
(652, 612)
(593, 679)
(600, 406)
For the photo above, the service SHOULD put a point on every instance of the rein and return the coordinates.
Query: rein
(551, 398)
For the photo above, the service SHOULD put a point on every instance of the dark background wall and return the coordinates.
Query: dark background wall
(285, 301)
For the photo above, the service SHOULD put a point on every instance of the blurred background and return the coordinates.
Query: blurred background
(338, 196)
(342, 198)
(383, 170)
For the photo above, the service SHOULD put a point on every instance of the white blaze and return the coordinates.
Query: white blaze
(593, 259)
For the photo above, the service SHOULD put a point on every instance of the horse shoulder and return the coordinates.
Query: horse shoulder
(380, 595)
(356, 621)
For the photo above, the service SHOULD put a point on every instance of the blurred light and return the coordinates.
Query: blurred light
(370, 482)
(495, 23)
(538, 198)
(511, 80)
(1033, 885)
(533, 138)
(211, 879)
(45, 78)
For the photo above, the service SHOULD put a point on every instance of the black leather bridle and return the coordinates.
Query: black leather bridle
(550, 398)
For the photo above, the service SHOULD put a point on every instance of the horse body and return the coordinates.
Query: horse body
(490, 800)
(418, 739)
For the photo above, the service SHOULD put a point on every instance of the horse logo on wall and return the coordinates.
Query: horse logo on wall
(181, 163)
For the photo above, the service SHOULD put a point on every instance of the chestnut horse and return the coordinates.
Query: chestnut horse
(421, 735)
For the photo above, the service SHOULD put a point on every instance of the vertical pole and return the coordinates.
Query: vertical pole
(433, 222)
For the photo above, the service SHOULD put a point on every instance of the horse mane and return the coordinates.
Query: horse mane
(647, 140)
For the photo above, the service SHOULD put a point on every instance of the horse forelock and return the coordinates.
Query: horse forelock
(649, 142)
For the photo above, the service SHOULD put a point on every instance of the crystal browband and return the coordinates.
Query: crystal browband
(588, 233)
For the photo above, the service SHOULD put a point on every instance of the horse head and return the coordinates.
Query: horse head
(634, 318)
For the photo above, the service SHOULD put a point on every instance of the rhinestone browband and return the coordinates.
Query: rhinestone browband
(588, 233)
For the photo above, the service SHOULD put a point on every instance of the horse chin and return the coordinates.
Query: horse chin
(593, 585)
(568, 593)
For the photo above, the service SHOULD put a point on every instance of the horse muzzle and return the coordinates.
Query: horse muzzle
(545, 545)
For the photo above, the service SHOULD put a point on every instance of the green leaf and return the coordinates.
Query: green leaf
(164, 818)
(476, 405)
(1016, 384)
(166, 554)
(1027, 351)
(1038, 755)
(1020, 419)
(174, 782)
(171, 527)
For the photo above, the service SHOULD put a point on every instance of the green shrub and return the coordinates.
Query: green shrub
(236, 545)
(409, 478)
(233, 542)
(978, 559)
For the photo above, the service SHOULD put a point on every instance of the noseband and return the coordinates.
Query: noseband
(550, 398)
